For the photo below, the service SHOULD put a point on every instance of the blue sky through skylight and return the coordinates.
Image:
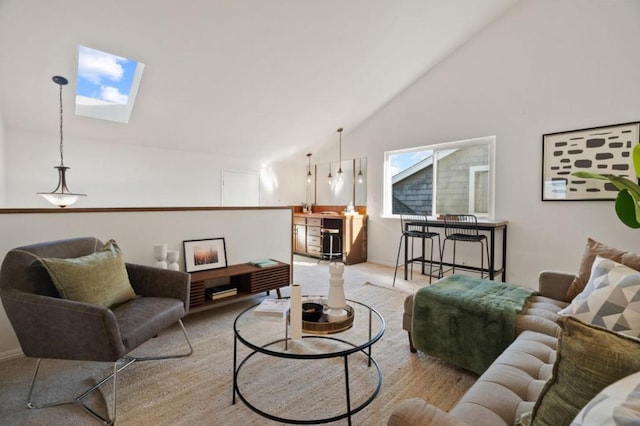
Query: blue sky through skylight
(104, 76)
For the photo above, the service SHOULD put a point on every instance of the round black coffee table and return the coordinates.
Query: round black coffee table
(269, 337)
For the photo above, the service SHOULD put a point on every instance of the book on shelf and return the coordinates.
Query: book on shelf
(220, 292)
(263, 263)
(273, 307)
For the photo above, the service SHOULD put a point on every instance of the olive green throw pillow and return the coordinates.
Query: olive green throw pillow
(99, 278)
(589, 359)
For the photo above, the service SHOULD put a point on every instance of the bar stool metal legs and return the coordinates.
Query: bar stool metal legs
(463, 227)
(333, 235)
(417, 226)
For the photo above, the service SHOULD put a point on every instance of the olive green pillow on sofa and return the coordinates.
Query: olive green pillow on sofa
(589, 359)
(99, 278)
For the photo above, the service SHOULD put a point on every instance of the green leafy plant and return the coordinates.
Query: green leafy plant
(628, 200)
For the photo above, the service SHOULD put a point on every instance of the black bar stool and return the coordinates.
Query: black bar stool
(464, 227)
(333, 235)
(417, 226)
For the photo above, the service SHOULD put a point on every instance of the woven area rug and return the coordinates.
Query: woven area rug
(198, 390)
(406, 287)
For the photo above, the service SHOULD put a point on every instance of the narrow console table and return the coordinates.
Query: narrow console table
(247, 278)
(488, 225)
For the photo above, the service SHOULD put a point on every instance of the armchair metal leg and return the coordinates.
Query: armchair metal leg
(79, 400)
(126, 361)
(160, 357)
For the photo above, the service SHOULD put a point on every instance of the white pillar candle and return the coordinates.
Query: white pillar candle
(295, 312)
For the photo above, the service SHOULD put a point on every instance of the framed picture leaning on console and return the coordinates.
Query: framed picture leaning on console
(205, 254)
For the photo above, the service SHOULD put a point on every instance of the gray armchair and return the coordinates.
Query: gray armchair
(49, 326)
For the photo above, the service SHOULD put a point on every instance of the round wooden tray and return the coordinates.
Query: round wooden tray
(323, 326)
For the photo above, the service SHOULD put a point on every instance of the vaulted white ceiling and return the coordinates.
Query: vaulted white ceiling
(258, 79)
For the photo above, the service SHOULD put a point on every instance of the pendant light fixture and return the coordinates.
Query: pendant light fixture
(360, 174)
(309, 174)
(340, 174)
(61, 196)
(330, 176)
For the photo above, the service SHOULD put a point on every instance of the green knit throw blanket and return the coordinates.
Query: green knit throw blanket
(465, 320)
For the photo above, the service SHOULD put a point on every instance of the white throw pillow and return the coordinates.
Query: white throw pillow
(611, 298)
(617, 404)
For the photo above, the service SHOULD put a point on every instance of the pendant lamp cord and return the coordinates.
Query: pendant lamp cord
(340, 152)
(61, 151)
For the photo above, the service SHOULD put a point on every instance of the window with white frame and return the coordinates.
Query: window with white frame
(454, 177)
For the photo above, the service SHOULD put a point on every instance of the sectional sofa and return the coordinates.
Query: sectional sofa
(529, 370)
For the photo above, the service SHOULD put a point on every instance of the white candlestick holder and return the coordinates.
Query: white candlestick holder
(336, 301)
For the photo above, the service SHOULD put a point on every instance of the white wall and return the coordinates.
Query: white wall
(3, 162)
(249, 234)
(545, 66)
(119, 175)
(282, 184)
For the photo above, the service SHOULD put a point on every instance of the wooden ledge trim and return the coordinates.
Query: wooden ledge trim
(132, 209)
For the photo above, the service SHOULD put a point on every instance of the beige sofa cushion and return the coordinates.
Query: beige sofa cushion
(512, 383)
(540, 314)
(416, 411)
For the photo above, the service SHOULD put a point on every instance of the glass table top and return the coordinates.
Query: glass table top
(270, 335)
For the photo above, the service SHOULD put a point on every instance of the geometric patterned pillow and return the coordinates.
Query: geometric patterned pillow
(617, 404)
(611, 298)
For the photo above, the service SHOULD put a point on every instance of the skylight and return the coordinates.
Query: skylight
(107, 85)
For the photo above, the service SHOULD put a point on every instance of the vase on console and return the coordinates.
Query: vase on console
(172, 260)
(160, 254)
